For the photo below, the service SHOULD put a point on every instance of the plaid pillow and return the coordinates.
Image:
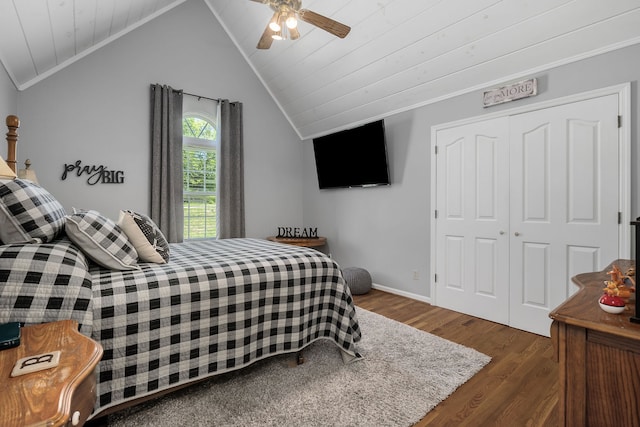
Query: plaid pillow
(101, 240)
(28, 213)
(145, 236)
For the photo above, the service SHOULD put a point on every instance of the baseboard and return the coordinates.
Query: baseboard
(401, 293)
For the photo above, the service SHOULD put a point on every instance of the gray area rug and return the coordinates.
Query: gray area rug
(405, 373)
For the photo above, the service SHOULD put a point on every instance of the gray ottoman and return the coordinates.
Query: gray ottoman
(358, 280)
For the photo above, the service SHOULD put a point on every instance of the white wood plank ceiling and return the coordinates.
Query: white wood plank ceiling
(40, 37)
(400, 54)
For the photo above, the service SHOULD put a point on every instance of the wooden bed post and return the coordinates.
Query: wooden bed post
(13, 123)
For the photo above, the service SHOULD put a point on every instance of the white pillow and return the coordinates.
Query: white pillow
(145, 236)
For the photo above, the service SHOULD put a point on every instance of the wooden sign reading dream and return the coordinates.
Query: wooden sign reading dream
(297, 233)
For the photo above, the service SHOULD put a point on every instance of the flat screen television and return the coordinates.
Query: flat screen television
(352, 158)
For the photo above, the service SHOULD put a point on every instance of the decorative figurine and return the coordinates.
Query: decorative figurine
(616, 292)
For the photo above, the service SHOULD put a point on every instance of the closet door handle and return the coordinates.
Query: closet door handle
(516, 234)
(501, 232)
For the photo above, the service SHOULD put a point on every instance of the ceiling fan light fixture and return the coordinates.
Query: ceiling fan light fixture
(282, 21)
(292, 22)
(274, 26)
(275, 23)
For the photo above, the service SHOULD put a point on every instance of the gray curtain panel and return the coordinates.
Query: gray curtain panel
(230, 171)
(166, 162)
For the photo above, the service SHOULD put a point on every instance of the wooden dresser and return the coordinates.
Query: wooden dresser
(59, 396)
(599, 357)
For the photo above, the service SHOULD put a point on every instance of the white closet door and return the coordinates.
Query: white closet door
(473, 218)
(564, 203)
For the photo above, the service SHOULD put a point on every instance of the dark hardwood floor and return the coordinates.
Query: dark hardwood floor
(519, 387)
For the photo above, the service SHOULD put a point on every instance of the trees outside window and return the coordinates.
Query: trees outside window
(199, 164)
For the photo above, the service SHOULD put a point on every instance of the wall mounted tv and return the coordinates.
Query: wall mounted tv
(352, 158)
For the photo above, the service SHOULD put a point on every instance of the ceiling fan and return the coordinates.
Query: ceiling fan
(284, 23)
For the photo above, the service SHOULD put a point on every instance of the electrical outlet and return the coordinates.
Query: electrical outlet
(416, 275)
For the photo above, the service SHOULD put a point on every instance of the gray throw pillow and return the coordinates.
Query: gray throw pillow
(29, 213)
(101, 240)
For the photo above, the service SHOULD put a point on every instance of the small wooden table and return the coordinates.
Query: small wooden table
(300, 241)
(59, 396)
(599, 357)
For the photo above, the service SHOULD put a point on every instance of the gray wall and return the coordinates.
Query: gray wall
(97, 111)
(8, 101)
(387, 229)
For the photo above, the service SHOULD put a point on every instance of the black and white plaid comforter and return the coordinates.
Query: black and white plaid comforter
(44, 283)
(215, 307)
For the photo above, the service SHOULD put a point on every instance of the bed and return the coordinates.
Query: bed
(198, 309)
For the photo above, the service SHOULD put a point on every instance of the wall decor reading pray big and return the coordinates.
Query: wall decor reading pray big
(95, 174)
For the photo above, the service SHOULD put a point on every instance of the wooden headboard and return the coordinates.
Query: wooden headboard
(13, 123)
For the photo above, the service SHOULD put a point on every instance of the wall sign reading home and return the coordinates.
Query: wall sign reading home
(95, 174)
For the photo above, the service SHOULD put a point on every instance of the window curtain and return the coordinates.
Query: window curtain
(230, 171)
(167, 209)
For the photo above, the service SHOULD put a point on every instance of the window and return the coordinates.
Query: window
(199, 162)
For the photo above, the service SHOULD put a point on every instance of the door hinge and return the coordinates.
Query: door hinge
(435, 149)
(619, 121)
(435, 277)
(619, 217)
(435, 214)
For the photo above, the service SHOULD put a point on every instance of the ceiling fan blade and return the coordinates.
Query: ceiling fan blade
(327, 24)
(294, 34)
(266, 39)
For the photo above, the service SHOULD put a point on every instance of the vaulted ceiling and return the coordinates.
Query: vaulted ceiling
(400, 54)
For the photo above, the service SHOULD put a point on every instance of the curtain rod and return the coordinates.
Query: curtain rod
(201, 97)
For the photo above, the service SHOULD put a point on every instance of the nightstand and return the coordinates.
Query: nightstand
(60, 396)
(300, 241)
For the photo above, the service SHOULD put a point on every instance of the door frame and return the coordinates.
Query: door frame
(624, 160)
